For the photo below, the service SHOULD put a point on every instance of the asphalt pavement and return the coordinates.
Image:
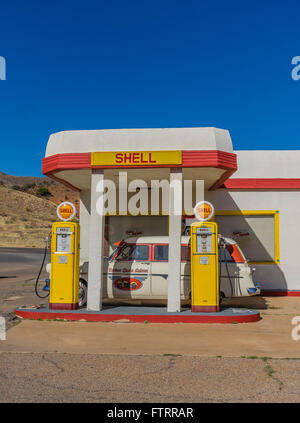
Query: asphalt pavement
(20, 255)
(76, 378)
(19, 268)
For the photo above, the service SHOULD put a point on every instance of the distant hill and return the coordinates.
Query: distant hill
(40, 186)
(25, 220)
(28, 208)
(22, 180)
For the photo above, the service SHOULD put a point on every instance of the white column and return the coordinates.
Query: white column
(175, 216)
(94, 296)
(84, 220)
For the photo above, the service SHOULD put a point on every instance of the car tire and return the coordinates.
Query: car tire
(222, 295)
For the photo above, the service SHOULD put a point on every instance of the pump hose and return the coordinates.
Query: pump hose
(38, 277)
(228, 273)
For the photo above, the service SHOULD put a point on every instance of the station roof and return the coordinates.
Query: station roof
(207, 154)
(139, 139)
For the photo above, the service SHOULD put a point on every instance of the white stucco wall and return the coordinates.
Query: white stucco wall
(286, 275)
(268, 164)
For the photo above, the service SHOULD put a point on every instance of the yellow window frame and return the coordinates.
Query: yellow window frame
(274, 213)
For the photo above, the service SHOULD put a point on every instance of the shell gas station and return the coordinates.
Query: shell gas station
(237, 230)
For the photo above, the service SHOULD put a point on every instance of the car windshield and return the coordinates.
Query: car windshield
(132, 252)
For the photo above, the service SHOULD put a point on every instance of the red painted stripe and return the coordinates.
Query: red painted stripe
(283, 293)
(63, 306)
(209, 158)
(205, 309)
(35, 315)
(67, 161)
(190, 158)
(262, 183)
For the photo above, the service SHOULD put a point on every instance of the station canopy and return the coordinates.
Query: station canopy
(206, 153)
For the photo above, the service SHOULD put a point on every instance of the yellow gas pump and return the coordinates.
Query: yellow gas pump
(204, 267)
(64, 284)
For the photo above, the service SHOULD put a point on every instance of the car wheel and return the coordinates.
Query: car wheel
(82, 295)
(222, 295)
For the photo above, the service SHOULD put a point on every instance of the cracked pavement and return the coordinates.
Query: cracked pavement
(59, 377)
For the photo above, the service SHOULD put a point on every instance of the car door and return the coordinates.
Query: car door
(159, 282)
(160, 265)
(129, 274)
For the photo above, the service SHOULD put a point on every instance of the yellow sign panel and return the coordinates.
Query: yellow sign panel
(136, 158)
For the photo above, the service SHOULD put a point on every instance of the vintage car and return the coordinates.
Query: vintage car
(137, 271)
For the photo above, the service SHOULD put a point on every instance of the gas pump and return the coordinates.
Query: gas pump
(64, 284)
(204, 267)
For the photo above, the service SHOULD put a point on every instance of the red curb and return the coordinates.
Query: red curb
(90, 317)
(269, 293)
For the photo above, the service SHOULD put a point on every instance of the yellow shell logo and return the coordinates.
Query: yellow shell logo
(66, 211)
(204, 210)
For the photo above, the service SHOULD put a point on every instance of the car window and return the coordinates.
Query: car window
(161, 252)
(134, 252)
(115, 251)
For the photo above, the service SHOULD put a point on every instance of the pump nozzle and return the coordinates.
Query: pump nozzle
(47, 285)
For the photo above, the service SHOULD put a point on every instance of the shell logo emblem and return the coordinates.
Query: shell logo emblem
(66, 210)
(127, 284)
(204, 210)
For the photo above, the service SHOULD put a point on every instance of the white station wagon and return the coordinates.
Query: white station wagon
(138, 271)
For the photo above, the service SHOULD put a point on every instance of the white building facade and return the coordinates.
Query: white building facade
(256, 195)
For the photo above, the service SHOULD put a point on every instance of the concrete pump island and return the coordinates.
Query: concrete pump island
(172, 224)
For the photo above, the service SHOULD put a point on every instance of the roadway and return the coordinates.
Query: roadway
(18, 271)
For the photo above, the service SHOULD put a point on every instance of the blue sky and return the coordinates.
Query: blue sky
(136, 64)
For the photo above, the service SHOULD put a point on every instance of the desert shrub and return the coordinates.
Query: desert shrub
(43, 192)
(17, 187)
(26, 187)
